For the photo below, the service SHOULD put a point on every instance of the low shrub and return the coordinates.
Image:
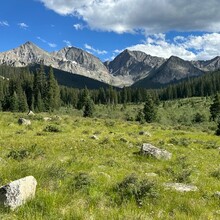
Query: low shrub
(52, 128)
(131, 188)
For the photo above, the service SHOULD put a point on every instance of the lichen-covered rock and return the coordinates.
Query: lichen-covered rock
(23, 121)
(180, 187)
(149, 149)
(18, 192)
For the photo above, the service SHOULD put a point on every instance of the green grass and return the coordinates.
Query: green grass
(84, 178)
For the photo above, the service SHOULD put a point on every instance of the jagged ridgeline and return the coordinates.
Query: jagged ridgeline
(134, 68)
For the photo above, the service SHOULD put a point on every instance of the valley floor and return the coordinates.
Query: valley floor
(89, 168)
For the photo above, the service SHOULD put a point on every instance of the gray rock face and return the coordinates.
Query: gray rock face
(23, 121)
(174, 69)
(208, 65)
(75, 60)
(180, 187)
(18, 192)
(148, 149)
(69, 59)
(131, 66)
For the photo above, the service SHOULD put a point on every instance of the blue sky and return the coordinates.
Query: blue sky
(190, 30)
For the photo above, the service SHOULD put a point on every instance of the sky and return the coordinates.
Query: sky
(104, 28)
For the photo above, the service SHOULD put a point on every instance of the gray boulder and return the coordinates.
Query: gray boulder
(30, 113)
(18, 192)
(180, 187)
(23, 121)
(149, 149)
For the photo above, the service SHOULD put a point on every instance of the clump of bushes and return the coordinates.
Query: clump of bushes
(82, 180)
(32, 152)
(131, 188)
(52, 128)
(180, 171)
(216, 174)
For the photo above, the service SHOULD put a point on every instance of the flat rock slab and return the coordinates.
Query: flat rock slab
(23, 121)
(18, 192)
(180, 187)
(149, 149)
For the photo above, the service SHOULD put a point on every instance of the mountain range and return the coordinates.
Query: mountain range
(129, 68)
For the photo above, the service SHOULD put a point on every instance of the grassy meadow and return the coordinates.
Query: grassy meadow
(90, 168)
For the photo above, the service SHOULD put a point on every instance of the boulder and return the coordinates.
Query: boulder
(47, 119)
(30, 113)
(18, 192)
(149, 149)
(181, 187)
(23, 121)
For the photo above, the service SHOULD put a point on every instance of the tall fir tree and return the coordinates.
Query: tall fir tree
(53, 92)
(215, 108)
(88, 108)
(149, 109)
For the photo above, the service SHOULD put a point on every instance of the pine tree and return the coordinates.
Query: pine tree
(215, 107)
(218, 128)
(88, 108)
(53, 92)
(14, 103)
(149, 110)
(23, 106)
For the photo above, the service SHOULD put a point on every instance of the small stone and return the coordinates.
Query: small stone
(47, 119)
(181, 187)
(145, 133)
(94, 137)
(151, 174)
(18, 192)
(30, 113)
(217, 194)
(149, 149)
(23, 121)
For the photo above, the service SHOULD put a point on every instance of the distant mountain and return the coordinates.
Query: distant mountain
(208, 65)
(71, 59)
(173, 70)
(134, 68)
(131, 66)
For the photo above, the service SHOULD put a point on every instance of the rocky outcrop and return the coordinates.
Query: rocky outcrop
(18, 192)
(180, 187)
(131, 66)
(148, 149)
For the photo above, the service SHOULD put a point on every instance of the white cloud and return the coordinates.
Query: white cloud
(78, 26)
(53, 45)
(68, 43)
(93, 50)
(151, 16)
(203, 47)
(4, 23)
(23, 25)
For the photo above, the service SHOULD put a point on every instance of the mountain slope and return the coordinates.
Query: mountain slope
(72, 60)
(208, 65)
(131, 66)
(174, 69)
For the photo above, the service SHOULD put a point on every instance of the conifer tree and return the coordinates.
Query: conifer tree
(88, 108)
(14, 103)
(53, 92)
(215, 108)
(23, 106)
(149, 110)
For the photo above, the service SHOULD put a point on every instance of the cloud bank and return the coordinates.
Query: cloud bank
(203, 47)
(150, 16)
